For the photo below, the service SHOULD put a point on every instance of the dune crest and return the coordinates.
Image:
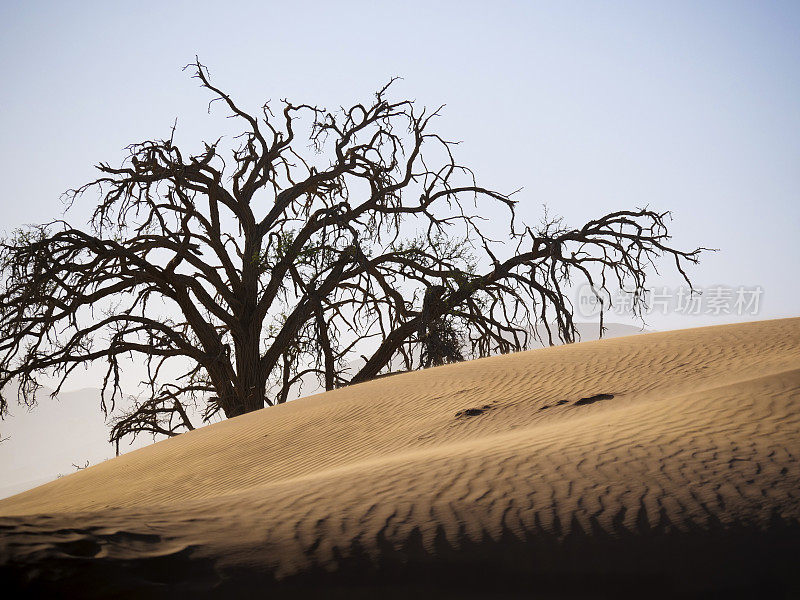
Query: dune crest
(667, 460)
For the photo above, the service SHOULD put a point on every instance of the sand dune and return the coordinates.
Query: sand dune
(661, 464)
(61, 433)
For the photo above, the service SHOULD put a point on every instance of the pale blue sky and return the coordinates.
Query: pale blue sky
(591, 107)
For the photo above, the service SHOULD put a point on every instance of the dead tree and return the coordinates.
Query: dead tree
(279, 260)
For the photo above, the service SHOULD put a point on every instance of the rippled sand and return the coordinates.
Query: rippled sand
(657, 465)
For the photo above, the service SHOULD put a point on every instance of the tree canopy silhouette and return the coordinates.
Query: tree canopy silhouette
(278, 260)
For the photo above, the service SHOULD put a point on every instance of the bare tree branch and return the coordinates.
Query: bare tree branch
(281, 265)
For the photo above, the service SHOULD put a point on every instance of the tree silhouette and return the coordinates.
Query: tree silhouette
(280, 260)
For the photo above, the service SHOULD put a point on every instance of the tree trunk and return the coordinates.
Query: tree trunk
(250, 385)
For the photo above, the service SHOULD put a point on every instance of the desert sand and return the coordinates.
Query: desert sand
(657, 465)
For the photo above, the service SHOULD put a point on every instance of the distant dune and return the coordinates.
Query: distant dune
(52, 438)
(657, 465)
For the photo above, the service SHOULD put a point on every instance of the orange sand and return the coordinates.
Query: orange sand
(686, 481)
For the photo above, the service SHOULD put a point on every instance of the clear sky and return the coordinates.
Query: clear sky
(590, 107)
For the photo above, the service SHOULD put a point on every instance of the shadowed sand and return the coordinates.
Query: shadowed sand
(661, 465)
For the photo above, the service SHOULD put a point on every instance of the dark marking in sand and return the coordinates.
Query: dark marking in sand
(473, 412)
(559, 403)
(593, 399)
